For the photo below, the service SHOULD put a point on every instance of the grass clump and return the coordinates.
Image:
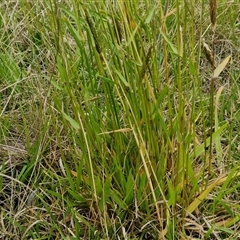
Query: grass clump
(114, 122)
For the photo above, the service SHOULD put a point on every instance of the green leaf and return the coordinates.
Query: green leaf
(171, 193)
(77, 196)
(71, 121)
(61, 69)
(106, 79)
(150, 15)
(117, 199)
(105, 193)
(200, 149)
(174, 49)
(192, 68)
(122, 78)
(129, 189)
(55, 194)
(225, 186)
(56, 85)
(107, 186)
(74, 33)
(98, 185)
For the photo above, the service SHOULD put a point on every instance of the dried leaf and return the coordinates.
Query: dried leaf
(221, 67)
(209, 54)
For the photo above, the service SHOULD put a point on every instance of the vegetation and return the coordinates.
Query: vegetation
(119, 119)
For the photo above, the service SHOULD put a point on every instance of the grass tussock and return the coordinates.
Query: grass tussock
(119, 120)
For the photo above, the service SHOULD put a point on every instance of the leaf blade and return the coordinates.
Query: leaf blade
(221, 67)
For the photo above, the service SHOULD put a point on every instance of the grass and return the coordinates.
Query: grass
(116, 123)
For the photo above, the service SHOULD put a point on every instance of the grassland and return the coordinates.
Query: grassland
(119, 119)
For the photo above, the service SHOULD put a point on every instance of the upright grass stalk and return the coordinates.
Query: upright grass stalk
(179, 172)
(213, 16)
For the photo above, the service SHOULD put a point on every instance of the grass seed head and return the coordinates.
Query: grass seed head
(213, 13)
